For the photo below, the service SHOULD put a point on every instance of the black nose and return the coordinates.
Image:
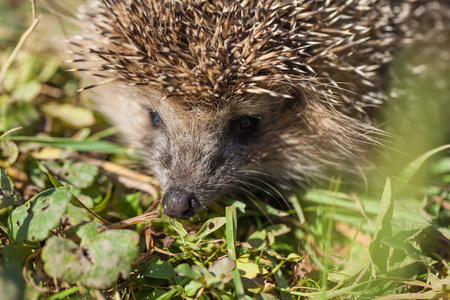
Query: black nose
(179, 203)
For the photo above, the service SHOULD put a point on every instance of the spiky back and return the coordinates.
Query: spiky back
(217, 50)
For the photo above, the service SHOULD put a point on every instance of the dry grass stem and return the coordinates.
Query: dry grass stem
(22, 40)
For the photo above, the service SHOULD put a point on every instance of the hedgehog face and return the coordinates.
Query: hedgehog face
(201, 153)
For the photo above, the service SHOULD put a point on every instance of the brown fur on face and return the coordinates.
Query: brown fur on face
(218, 94)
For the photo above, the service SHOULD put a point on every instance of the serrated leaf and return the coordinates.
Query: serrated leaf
(33, 220)
(97, 263)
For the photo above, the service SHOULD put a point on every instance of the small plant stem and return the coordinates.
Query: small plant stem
(33, 7)
(19, 45)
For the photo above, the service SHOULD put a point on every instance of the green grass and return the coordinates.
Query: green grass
(79, 219)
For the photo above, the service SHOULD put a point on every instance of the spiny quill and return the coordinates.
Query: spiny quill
(226, 49)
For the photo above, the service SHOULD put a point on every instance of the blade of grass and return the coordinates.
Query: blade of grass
(9, 132)
(231, 221)
(65, 293)
(281, 281)
(83, 146)
(383, 228)
(411, 169)
(295, 202)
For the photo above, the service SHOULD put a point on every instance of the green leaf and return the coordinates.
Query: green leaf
(71, 115)
(18, 223)
(378, 251)
(9, 152)
(240, 206)
(88, 232)
(12, 284)
(278, 229)
(210, 226)
(75, 215)
(411, 169)
(192, 288)
(19, 114)
(178, 227)
(64, 259)
(186, 270)
(56, 183)
(97, 263)
(79, 174)
(160, 269)
(33, 220)
(16, 254)
(8, 196)
(401, 242)
(248, 268)
(28, 91)
(358, 260)
(258, 239)
(265, 296)
(129, 205)
(222, 266)
(295, 202)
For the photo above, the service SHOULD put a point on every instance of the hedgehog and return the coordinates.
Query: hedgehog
(223, 97)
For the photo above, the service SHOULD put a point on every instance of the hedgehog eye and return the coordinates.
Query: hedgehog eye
(155, 118)
(244, 125)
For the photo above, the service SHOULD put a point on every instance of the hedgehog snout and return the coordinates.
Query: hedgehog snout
(179, 203)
